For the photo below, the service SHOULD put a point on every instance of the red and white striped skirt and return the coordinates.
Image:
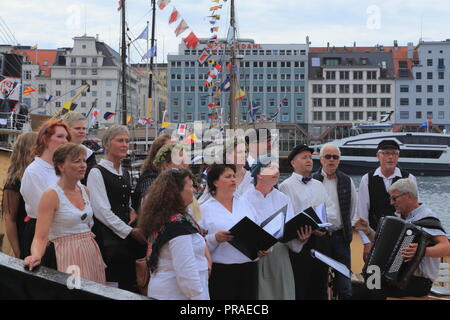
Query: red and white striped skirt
(80, 250)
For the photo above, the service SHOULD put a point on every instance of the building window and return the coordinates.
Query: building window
(440, 88)
(404, 101)
(189, 116)
(344, 88)
(108, 104)
(83, 104)
(331, 75)
(202, 116)
(371, 75)
(372, 116)
(175, 102)
(418, 75)
(94, 82)
(344, 116)
(418, 88)
(299, 117)
(330, 116)
(94, 72)
(404, 115)
(371, 88)
(429, 62)
(344, 102)
(175, 116)
(331, 102)
(430, 115)
(344, 75)
(330, 88)
(357, 75)
(58, 82)
(73, 82)
(108, 83)
(440, 75)
(385, 88)
(42, 88)
(94, 93)
(58, 104)
(357, 102)
(385, 102)
(358, 88)
(418, 101)
(429, 75)
(429, 88)
(358, 115)
(58, 93)
(317, 115)
(372, 102)
(73, 72)
(299, 103)
(317, 88)
(441, 101)
(441, 115)
(418, 114)
(108, 93)
(404, 88)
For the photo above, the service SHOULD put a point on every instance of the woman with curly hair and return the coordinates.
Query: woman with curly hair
(40, 174)
(176, 247)
(13, 205)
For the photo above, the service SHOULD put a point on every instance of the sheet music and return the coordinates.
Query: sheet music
(276, 225)
(321, 211)
(339, 267)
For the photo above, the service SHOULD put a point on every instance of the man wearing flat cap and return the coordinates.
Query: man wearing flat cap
(373, 193)
(310, 275)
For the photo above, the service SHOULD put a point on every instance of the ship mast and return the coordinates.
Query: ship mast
(150, 77)
(233, 80)
(124, 67)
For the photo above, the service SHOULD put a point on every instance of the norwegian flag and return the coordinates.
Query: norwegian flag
(144, 121)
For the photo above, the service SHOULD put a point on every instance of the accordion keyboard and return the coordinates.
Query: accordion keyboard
(409, 238)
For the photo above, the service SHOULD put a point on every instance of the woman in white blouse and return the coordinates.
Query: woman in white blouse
(276, 279)
(234, 276)
(176, 255)
(40, 174)
(65, 218)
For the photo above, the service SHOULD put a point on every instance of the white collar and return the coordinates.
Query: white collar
(43, 163)
(110, 166)
(397, 173)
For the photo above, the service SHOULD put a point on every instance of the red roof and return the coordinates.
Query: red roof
(44, 58)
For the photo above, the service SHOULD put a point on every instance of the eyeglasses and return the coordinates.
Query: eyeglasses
(394, 198)
(387, 153)
(329, 156)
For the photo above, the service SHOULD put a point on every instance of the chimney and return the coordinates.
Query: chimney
(395, 45)
(96, 37)
(410, 50)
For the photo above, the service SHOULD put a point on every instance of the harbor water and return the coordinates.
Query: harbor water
(433, 192)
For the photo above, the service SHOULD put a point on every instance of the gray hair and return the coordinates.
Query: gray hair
(329, 145)
(113, 131)
(73, 116)
(405, 185)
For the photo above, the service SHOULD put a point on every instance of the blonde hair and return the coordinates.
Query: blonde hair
(73, 116)
(21, 156)
(66, 151)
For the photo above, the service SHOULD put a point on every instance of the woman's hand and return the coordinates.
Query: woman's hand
(31, 262)
(223, 236)
(304, 233)
(362, 225)
(263, 253)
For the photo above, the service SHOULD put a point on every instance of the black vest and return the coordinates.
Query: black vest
(380, 204)
(118, 189)
(344, 190)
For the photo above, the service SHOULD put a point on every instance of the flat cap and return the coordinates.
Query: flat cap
(388, 144)
(298, 149)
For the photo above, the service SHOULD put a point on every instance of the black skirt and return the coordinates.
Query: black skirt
(49, 257)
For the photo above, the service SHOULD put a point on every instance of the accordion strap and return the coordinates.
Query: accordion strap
(429, 223)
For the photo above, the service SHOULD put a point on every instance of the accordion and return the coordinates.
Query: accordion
(394, 234)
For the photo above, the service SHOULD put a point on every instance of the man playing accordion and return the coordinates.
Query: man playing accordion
(404, 197)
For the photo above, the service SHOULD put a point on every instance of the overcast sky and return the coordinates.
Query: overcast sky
(53, 23)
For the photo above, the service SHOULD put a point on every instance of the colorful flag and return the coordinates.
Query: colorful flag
(275, 114)
(213, 22)
(214, 29)
(144, 121)
(215, 17)
(216, 1)
(181, 28)
(226, 84)
(192, 138)
(108, 115)
(174, 16)
(47, 99)
(144, 34)
(203, 56)
(215, 8)
(28, 90)
(95, 113)
(34, 48)
(241, 94)
(163, 3)
(191, 41)
(165, 124)
(181, 129)
(218, 92)
(129, 119)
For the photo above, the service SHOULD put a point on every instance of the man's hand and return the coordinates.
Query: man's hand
(362, 225)
(410, 252)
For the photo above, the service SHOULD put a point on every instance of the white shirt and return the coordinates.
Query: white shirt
(182, 272)
(89, 152)
(245, 185)
(364, 198)
(100, 203)
(335, 217)
(306, 195)
(428, 267)
(68, 218)
(268, 205)
(217, 218)
(38, 176)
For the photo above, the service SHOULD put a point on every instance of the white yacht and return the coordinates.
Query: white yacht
(426, 154)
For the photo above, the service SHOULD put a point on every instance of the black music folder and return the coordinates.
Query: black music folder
(249, 237)
(315, 218)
